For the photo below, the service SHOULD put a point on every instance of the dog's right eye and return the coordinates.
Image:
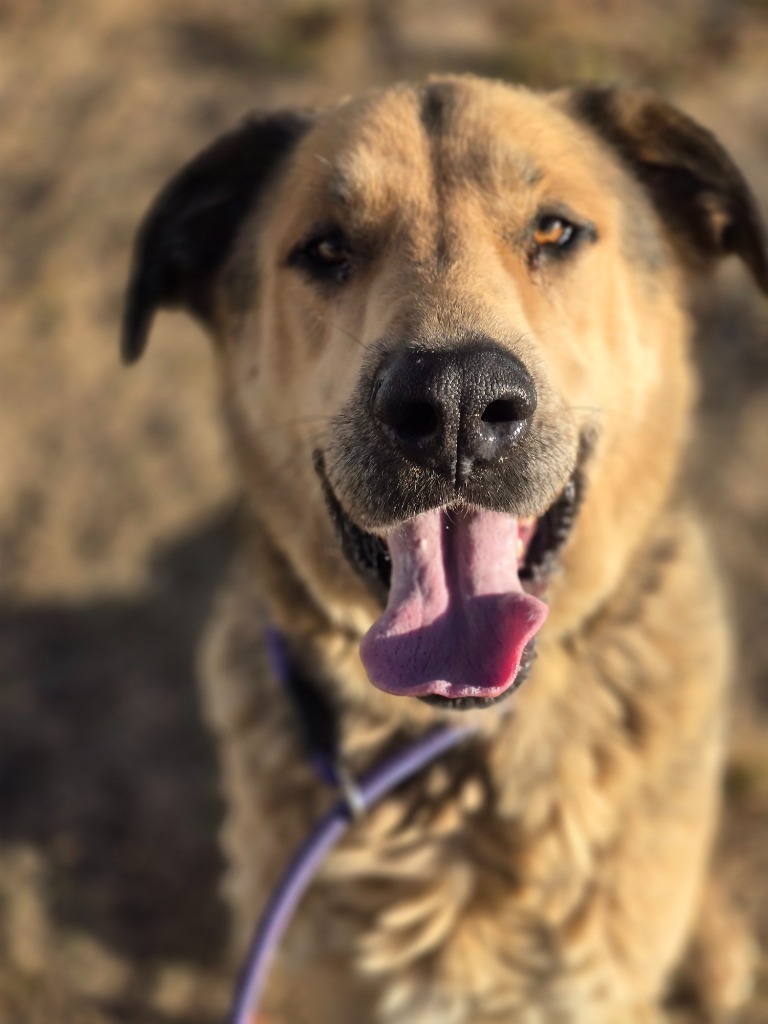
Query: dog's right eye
(325, 257)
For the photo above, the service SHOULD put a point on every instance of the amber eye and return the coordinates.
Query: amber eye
(325, 257)
(555, 232)
(331, 251)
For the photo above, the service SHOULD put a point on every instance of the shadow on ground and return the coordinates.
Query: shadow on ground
(105, 767)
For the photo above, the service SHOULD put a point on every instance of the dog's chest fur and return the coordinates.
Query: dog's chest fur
(517, 849)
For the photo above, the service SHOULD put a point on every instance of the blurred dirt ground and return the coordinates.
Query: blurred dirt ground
(116, 492)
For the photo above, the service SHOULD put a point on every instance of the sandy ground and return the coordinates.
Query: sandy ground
(116, 491)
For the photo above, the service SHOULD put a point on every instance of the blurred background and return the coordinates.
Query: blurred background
(116, 489)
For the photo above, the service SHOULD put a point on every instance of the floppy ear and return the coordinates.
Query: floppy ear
(190, 228)
(702, 196)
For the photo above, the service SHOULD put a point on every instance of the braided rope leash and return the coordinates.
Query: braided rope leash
(358, 798)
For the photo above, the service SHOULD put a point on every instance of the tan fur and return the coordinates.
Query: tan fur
(551, 870)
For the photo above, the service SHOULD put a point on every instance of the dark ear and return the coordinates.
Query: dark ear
(699, 191)
(190, 228)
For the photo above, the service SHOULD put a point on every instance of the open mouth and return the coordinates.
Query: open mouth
(463, 592)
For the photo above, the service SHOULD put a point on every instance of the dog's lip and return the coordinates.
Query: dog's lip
(368, 551)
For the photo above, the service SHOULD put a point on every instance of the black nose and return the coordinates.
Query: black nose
(453, 410)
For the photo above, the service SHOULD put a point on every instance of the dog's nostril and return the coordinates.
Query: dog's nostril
(504, 410)
(412, 421)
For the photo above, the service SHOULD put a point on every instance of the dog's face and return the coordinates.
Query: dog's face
(450, 327)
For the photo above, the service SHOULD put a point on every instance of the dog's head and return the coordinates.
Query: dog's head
(450, 320)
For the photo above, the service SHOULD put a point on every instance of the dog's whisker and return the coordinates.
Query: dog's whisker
(325, 322)
(297, 421)
(655, 431)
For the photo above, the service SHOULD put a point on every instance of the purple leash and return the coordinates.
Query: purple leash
(360, 797)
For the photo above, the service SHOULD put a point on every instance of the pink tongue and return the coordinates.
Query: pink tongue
(457, 619)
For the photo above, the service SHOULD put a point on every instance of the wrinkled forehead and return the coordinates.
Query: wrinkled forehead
(404, 148)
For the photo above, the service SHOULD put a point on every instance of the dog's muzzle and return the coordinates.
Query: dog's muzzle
(444, 453)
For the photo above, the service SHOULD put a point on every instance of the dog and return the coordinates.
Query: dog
(451, 325)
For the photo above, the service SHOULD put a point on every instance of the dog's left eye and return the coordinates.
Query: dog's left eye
(326, 257)
(553, 232)
(554, 236)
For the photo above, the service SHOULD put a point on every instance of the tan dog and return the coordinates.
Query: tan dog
(451, 326)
